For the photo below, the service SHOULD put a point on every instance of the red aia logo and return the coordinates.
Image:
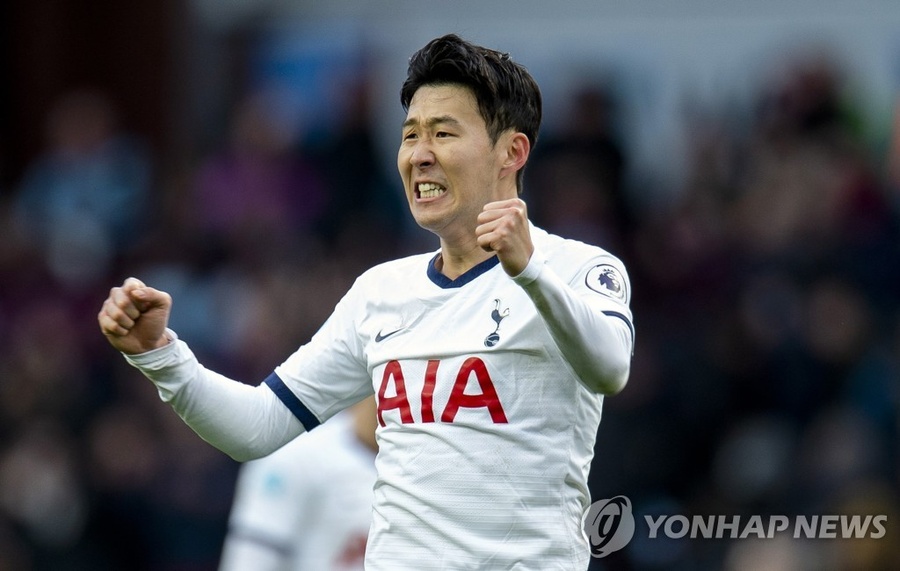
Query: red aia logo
(487, 398)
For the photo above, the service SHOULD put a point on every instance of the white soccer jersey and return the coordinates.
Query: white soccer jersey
(306, 506)
(486, 433)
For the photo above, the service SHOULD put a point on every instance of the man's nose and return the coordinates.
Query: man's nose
(422, 155)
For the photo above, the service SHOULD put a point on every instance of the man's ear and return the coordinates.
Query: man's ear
(518, 147)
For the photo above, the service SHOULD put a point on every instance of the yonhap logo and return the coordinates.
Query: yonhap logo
(608, 525)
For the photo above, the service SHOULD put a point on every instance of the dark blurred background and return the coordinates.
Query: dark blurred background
(744, 161)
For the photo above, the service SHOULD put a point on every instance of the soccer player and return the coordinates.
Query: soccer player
(308, 505)
(489, 358)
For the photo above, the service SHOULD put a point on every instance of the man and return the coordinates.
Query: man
(489, 359)
(308, 505)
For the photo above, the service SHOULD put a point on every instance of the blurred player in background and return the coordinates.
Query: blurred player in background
(308, 505)
(489, 358)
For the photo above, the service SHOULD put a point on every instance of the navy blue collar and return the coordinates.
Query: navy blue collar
(444, 282)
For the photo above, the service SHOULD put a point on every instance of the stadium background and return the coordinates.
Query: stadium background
(742, 158)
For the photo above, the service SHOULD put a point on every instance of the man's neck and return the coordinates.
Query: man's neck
(455, 261)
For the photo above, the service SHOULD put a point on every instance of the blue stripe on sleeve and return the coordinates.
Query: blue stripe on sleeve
(626, 320)
(290, 400)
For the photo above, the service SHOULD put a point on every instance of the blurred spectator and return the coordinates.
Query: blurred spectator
(576, 182)
(85, 199)
(366, 215)
(125, 460)
(893, 155)
(260, 193)
(41, 490)
(806, 184)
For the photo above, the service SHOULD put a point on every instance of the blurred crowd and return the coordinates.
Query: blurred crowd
(765, 377)
(766, 301)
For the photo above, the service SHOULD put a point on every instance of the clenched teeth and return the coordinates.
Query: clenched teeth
(430, 190)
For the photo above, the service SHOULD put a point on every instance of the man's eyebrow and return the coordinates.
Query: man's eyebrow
(432, 121)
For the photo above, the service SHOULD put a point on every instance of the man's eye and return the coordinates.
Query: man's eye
(409, 136)
(441, 134)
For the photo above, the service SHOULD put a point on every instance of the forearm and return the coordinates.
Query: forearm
(596, 345)
(244, 421)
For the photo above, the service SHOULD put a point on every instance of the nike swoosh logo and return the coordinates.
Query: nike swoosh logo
(379, 338)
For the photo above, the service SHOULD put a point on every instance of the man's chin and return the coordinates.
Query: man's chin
(428, 221)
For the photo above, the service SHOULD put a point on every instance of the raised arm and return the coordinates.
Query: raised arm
(595, 338)
(597, 342)
(243, 421)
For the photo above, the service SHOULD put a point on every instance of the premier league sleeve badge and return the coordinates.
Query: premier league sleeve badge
(607, 280)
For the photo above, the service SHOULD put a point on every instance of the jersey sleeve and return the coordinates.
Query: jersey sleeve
(329, 373)
(588, 316)
(244, 421)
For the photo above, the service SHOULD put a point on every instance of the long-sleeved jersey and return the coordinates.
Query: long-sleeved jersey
(489, 392)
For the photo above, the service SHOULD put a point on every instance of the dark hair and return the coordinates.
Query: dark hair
(506, 94)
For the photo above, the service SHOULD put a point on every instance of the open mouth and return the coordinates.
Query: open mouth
(427, 190)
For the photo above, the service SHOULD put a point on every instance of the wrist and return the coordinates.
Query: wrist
(532, 269)
(163, 340)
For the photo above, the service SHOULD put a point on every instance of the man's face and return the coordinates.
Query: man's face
(449, 167)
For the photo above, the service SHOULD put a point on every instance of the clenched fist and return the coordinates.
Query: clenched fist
(503, 228)
(134, 317)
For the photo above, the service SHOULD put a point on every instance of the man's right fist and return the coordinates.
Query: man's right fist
(134, 317)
